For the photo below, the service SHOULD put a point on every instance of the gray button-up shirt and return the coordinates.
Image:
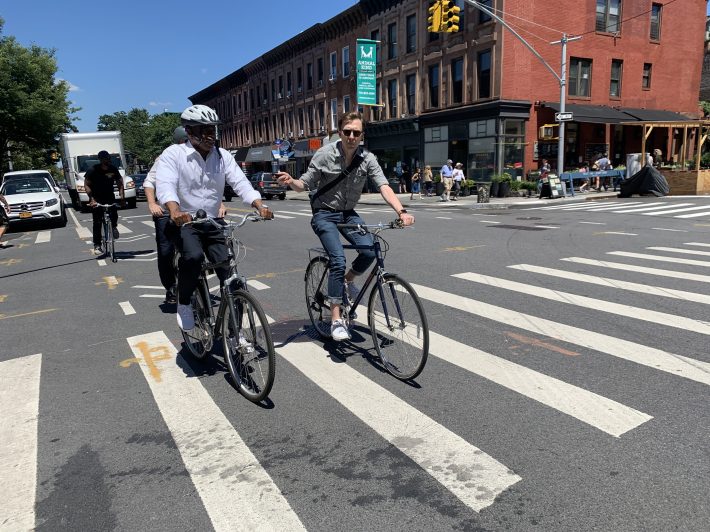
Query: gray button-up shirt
(327, 164)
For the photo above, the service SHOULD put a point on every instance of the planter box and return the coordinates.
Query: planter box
(688, 182)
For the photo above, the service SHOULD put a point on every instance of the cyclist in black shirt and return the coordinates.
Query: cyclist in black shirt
(99, 183)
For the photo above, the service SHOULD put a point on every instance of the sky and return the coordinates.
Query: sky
(152, 54)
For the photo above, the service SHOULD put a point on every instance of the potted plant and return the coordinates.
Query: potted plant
(529, 187)
(504, 185)
(495, 184)
(515, 187)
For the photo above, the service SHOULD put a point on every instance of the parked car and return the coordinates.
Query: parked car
(267, 185)
(138, 179)
(23, 174)
(34, 198)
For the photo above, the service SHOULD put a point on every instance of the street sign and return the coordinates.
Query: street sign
(366, 72)
(563, 117)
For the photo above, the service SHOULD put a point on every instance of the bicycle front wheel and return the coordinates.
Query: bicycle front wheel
(399, 327)
(317, 295)
(248, 347)
(199, 339)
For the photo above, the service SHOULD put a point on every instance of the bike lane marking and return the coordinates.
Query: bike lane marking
(81, 231)
(127, 308)
(19, 408)
(470, 474)
(236, 491)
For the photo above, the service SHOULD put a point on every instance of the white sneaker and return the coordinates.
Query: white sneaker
(338, 331)
(245, 344)
(185, 317)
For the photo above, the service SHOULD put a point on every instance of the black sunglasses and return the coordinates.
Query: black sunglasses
(351, 133)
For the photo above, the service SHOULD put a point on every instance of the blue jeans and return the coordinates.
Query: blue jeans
(323, 224)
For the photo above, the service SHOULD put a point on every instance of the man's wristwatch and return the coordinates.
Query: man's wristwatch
(401, 211)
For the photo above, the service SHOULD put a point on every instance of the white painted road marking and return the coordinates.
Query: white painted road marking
(644, 207)
(237, 492)
(19, 408)
(123, 229)
(660, 258)
(81, 231)
(600, 412)
(617, 233)
(680, 250)
(469, 473)
(674, 364)
(640, 269)
(127, 308)
(258, 285)
(43, 236)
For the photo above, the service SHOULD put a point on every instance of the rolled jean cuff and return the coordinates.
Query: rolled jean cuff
(335, 300)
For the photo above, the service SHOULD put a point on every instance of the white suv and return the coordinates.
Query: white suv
(33, 195)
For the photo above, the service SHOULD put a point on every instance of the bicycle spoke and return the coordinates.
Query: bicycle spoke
(316, 295)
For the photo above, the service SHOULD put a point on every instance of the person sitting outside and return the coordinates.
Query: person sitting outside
(99, 182)
(191, 177)
(346, 164)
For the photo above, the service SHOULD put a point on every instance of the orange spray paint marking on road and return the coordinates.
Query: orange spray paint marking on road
(151, 355)
(111, 281)
(10, 262)
(539, 343)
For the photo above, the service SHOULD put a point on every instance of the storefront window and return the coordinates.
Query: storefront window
(513, 147)
(481, 158)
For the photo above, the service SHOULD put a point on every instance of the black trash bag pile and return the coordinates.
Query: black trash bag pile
(646, 181)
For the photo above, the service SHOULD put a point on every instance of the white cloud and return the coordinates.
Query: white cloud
(159, 104)
(72, 87)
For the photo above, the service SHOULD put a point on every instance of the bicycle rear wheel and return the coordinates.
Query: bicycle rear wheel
(399, 327)
(317, 295)
(199, 339)
(112, 249)
(248, 347)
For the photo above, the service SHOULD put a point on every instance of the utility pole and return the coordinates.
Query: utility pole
(561, 78)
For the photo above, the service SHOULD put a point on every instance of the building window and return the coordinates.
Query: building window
(482, 16)
(656, 22)
(608, 16)
(281, 86)
(646, 80)
(299, 79)
(300, 121)
(615, 86)
(333, 66)
(392, 97)
(273, 90)
(392, 41)
(309, 76)
(258, 97)
(411, 33)
(346, 104)
(320, 71)
(346, 61)
(288, 84)
(580, 77)
(311, 116)
(484, 74)
(321, 115)
(457, 80)
(434, 86)
(333, 114)
(412, 94)
(375, 36)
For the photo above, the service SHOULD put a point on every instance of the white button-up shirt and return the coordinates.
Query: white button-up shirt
(183, 176)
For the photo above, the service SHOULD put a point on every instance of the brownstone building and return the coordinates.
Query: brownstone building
(478, 96)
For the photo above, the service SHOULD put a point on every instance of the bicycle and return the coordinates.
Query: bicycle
(395, 315)
(239, 320)
(107, 241)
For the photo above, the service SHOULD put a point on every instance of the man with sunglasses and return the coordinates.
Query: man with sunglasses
(348, 165)
(190, 177)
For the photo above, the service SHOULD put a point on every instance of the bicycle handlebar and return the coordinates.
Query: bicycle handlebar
(248, 216)
(106, 205)
(369, 228)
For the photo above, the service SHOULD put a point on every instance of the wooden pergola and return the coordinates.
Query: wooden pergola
(701, 127)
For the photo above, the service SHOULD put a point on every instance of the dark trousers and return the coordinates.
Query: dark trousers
(97, 214)
(165, 234)
(193, 239)
(323, 224)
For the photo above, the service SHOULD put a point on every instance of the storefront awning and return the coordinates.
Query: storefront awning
(240, 154)
(592, 114)
(655, 115)
(259, 155)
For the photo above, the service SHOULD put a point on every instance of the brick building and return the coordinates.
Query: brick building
(478, 96)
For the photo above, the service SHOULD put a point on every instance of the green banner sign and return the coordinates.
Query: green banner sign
(366, 57)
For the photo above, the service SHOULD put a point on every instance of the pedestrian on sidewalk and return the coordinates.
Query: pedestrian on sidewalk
(446, 178)
(428, 180)
(4, 218)
(458, 178)
(416, 184)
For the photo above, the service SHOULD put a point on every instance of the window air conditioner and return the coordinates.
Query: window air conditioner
(288, 94)
(265, 101)
(332, 78)
(300, 133)
(548, 132)
(290, 134)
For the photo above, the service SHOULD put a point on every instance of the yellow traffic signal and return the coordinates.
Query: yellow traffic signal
(434, 20)
(449, 17)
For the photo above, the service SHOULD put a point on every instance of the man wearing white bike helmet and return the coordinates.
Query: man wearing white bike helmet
(191, 177)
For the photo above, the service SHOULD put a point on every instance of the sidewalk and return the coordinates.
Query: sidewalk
(469, 202)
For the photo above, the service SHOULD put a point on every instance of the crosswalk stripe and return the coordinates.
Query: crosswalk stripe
(123, 229)
(673, 211)
(573, 206)
(644, 208)
(660, 258)
(701, 244)
(296, 213)
(680, 250)
(641, 269)
(127, 308)
(593, 223)
(674, 364)
(237, 492)
(613, 283)
(258, 285)
(600, 412)
(43, 236)
(667, 229)
(637, 313)
(695, 215)
(19, 404)
(589, 205)
(279, 216)
(618, 233)
(604, 207)
(148, 223)
(469, 473)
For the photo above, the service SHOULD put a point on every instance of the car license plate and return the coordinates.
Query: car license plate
(25, 214)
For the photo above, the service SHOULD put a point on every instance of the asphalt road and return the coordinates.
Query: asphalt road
(567, 387)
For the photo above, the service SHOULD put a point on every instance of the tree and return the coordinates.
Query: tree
(144, 136)
(34, 108)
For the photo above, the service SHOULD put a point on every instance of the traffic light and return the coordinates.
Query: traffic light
(449, 17)
(434, 19)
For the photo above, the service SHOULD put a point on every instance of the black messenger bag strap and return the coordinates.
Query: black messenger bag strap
(357, 160)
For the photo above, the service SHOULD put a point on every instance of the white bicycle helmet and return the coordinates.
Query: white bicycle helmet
(199, 115)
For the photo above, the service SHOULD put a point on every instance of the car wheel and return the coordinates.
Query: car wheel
(268, 196)
(62, 222)
(282, 196)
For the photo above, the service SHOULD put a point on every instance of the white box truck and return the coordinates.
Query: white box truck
(80, 153)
